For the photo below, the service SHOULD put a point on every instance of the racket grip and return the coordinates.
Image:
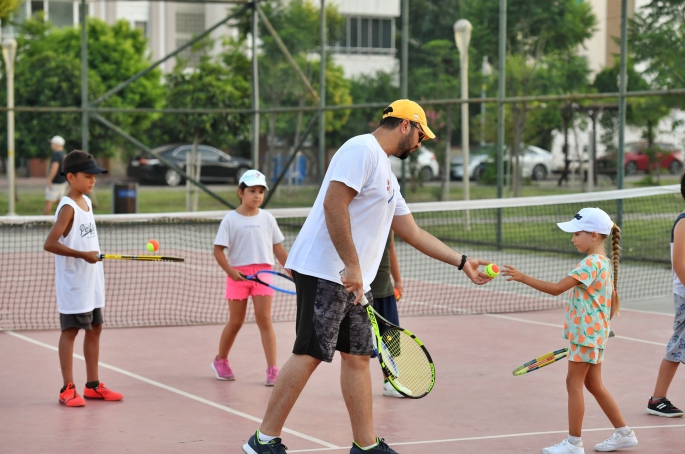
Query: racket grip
(101, 256)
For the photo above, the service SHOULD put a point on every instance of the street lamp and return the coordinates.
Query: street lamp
(462, 36)
(9, 52)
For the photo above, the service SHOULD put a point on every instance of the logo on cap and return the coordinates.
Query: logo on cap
(416, 116)
(578, 216)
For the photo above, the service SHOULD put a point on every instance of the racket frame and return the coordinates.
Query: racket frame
(141, 258)
(389, 373)
(255, 278)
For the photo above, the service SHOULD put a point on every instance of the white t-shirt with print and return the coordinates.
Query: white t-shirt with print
(362, 165)
(249, 239)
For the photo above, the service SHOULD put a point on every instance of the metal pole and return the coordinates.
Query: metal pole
(255, 88)
(322, 93)
(622, 108)
(592, 153)
(500, 111)
(404, 80)
(483, 87)
(84, 77)
(464, 82)
(9, 52)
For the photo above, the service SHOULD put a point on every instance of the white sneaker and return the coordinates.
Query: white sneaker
(617, 441)
(565, 447)
(388, 390)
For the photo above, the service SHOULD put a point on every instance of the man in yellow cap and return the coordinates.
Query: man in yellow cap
(347, 229)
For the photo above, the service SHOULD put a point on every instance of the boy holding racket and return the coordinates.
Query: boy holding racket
(253, 238)
(658, 404)
(383, 290)
(593, 301)
(79, 279)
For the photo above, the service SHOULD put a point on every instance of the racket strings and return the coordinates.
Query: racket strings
(407, 361)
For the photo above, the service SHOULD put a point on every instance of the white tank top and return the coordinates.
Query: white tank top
(678, 287)
(80, 286)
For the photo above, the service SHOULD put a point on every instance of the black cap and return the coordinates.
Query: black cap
(88, 167)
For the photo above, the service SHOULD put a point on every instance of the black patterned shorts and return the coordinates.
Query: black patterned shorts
(327, 320)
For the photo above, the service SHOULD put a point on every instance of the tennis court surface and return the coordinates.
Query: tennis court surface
(163, 322)
(173, 403)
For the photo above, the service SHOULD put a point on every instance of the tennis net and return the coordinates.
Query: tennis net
(521, 232)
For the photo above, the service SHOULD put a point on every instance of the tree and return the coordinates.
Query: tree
(48, 74)
(211, 84)
(297, 24)
(7, 7)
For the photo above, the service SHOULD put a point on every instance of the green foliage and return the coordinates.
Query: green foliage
(48, 74)
(7, 7)
(215, 83)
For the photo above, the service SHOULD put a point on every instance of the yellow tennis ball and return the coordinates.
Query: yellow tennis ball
(152, 245)
(491, 270)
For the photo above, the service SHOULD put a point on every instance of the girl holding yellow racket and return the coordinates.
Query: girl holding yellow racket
(593, 300)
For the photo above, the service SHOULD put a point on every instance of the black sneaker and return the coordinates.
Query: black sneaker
(254, 446)
(380, 448)
(663, 407)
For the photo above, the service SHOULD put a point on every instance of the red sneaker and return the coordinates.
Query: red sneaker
(101, 393)
(70, 397)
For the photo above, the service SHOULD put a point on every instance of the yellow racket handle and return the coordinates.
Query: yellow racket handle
(144, 258)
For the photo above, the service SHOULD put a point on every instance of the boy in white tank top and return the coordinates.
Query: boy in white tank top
(79, 278)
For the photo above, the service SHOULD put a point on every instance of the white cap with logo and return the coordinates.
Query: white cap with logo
(589, 220)
(253, 178)
(58, 140)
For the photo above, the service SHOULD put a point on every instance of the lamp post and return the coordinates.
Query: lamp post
(9, 52)
(462, 36)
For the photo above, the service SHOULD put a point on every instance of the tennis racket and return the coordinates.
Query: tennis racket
(544, 360)
(143, 258)
(275, 280)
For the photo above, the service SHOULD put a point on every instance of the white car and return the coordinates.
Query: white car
(536, 163)
(425, 166)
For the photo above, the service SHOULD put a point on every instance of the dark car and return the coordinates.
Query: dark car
(637, 160)
(217, 166)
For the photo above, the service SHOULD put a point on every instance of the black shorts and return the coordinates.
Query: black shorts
(327, 320)
(81, 321)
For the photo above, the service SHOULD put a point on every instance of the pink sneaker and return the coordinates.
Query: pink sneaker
(222, 370)
(271, 375)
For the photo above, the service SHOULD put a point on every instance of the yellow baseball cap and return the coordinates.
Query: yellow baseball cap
(409, 110)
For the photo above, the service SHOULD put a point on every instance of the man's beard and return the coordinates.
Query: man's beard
(404, 148)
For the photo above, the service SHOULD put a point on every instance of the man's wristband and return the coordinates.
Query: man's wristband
(463, 262)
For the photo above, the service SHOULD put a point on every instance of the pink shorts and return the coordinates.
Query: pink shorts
(241, 290)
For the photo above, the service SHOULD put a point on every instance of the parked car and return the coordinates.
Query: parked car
(636, 159)
(217, 166)
(426, 165)
(536, 163)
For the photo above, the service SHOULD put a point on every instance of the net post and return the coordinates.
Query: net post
(622, 110)
(500, 112)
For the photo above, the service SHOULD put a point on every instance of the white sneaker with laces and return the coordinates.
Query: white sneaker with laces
(617, 441)
(388, 390)
(565, 447)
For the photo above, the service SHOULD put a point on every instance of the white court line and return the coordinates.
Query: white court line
(642, 341)
(492, 437)
(178, 391)
(641, 311)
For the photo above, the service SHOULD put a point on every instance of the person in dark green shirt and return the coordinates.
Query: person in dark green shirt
(384, 289)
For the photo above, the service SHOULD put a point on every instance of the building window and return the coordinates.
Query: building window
(141, 25)
(367, 35)
(61, 14)
(189, 25)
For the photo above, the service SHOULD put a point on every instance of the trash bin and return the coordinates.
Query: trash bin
(124, 198)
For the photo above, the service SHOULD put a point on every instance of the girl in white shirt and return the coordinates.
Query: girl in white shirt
(253, 238)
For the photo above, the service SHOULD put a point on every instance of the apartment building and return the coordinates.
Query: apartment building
(368, 44)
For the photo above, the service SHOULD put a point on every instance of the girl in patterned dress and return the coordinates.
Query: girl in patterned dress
(592, 302)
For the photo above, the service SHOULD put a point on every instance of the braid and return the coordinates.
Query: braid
(615, 255)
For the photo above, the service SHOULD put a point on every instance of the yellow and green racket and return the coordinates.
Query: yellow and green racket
(544, 360)
(142, 258)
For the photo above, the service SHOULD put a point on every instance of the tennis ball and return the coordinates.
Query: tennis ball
(492, 270)
(152, 246)
(398, 295)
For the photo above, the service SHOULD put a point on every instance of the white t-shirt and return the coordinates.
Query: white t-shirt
(250, 239)
(80, 286)
(362, 165)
